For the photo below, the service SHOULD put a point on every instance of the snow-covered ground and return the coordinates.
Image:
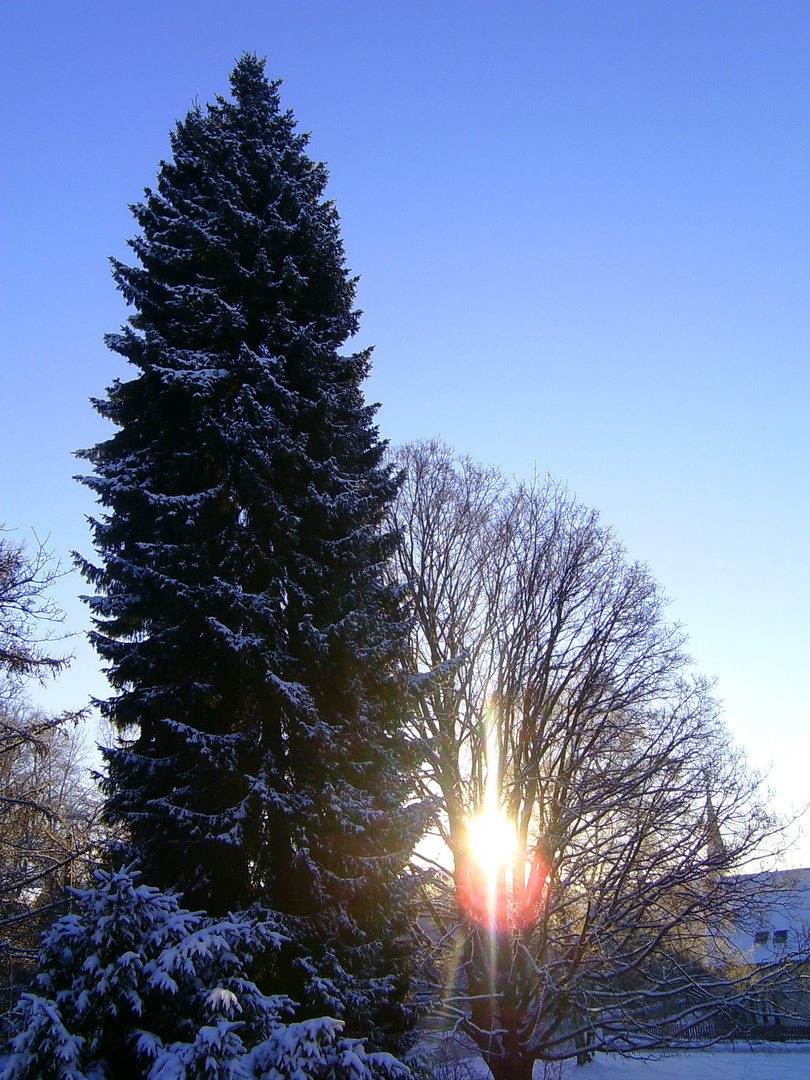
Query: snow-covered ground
(760, 1062)
(742, 1063)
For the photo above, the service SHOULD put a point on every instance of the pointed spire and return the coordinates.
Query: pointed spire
(715, 847)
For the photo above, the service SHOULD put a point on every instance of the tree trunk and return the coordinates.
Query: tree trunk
(510, 1066)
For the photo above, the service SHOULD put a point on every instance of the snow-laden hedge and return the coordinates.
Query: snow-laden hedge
(131, 985)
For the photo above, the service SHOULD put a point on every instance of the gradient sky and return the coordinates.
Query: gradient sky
(583, 234)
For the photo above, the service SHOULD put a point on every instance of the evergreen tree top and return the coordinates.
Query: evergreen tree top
(239, 208)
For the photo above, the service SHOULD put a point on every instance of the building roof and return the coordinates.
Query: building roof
(780, 926)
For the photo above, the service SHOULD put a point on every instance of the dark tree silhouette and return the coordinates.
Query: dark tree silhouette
(241, 608)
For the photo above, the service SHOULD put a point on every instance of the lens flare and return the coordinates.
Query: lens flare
(492, 841)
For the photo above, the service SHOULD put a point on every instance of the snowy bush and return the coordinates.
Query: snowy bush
(132, 985)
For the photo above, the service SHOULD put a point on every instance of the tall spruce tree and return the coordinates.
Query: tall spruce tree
(240, 605)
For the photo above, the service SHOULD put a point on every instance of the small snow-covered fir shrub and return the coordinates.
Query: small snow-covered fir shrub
(132, 986)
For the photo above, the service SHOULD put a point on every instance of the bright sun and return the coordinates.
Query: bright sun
(492, 841)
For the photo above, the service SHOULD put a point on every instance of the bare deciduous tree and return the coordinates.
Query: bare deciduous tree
(49, 831)
(25, 578)
(47, 804)
(557, 695)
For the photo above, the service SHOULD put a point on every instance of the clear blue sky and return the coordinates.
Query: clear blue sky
(583, 234)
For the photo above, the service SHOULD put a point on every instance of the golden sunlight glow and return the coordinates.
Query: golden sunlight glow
(492, 838)
(492, 841)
